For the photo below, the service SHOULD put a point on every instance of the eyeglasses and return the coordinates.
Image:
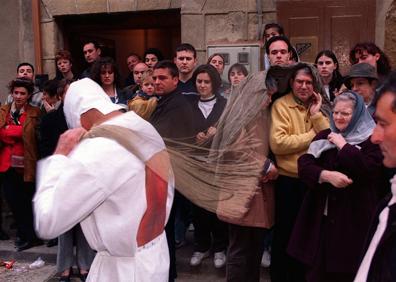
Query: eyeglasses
(301, 82)
(342, 114)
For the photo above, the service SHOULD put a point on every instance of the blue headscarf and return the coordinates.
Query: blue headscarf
(358, 130)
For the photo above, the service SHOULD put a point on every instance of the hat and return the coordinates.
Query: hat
(84, 95)
(362, 70)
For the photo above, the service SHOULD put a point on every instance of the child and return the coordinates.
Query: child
(145, 101)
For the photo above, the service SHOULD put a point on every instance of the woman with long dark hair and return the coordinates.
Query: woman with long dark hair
(207, 107)
(105, 73)
(328, 68)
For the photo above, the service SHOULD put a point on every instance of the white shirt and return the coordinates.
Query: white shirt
(102, 185)
(206, 107)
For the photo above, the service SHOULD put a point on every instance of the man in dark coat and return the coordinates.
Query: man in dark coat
(379, 262)
(172, 118)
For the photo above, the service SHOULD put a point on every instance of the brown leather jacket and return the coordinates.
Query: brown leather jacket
(29, 138)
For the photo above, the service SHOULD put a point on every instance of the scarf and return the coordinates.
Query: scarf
(358, 130)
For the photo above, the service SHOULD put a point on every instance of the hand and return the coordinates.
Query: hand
(48, 107)
(339, 91)
(201, 137)
(316, 103)
(272, 174)
(68, 141)
(211, 131)
(337, 139)
(335, 178)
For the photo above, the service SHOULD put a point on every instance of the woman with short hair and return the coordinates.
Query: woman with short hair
(18, 157)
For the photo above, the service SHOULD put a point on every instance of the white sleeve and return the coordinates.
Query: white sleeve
(67, 192)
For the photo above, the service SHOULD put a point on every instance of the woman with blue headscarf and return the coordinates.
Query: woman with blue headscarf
(343, 172)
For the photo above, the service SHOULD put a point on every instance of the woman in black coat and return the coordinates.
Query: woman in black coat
(207, 108)
(342, 170)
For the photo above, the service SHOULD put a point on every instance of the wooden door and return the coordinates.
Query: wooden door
(327, 24)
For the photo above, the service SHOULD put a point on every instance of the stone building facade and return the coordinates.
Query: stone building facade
(202, 22)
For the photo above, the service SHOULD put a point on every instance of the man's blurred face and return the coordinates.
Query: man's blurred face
(164, 82)
(271, 32)
(384, 133)
(138, 72)
(25, 72)
(151, 60)
(302, 86)
(185, 61)
(91, 54)
(132, 61)
(278, 53)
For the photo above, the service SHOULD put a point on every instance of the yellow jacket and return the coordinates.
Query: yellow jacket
(292, 130)
(143, 107)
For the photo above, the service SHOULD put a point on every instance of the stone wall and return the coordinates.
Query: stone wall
(17, 37)
(222, 22)
(202, 22)
(390, 34)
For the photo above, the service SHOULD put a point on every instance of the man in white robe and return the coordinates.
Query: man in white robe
(122, 200)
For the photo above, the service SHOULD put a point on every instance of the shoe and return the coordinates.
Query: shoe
(24, 245)
(4, 236)
(52, 242)
(197, 258)
(219, 259)
(266, 259)
(18, 241)
(83, 277)
(66, 278)
(179, 244)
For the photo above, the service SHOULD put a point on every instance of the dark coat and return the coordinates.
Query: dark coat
(200, 123)
(349, 209)
(383, 265)
(124, 95)
(172, 117)
(52, 126)
(187, 88)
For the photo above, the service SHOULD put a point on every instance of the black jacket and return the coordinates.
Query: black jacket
(52, 125)
(200, 123)
(383, 264)
(172, 117)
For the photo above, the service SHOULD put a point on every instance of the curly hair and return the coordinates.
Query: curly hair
(383, 63)
(103, 63)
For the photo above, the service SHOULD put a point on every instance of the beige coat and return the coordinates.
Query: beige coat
(260, 204)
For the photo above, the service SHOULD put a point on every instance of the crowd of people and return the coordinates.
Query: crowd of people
(312, 208)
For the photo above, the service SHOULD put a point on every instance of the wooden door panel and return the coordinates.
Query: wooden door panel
(344, 34)
(330, 24)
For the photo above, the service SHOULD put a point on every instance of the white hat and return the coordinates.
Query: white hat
(82, 96)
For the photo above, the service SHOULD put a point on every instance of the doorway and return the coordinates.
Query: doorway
(119, 34)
